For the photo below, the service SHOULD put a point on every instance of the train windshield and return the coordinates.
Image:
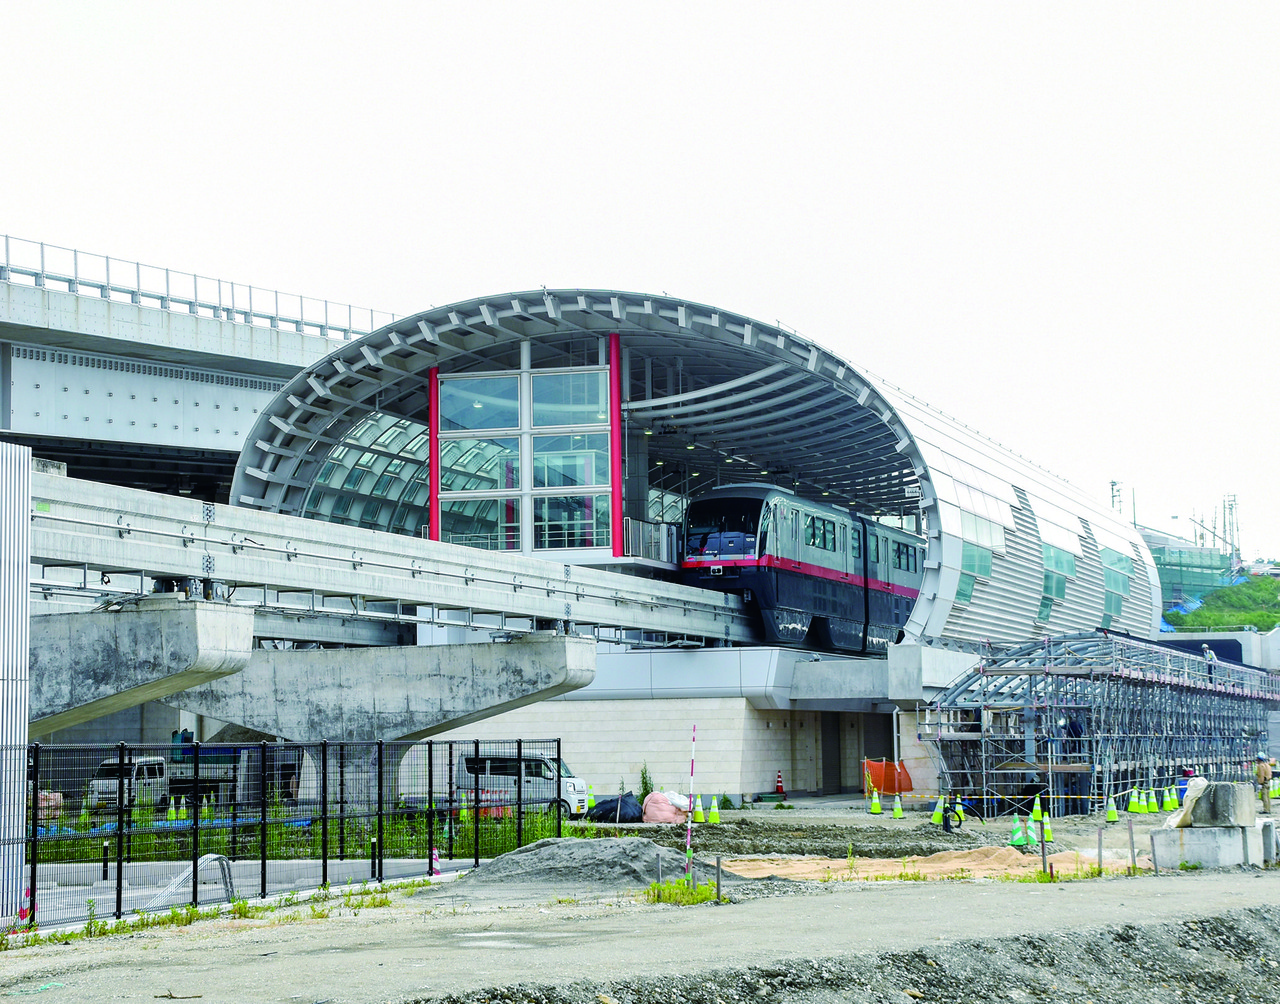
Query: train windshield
(722, 527)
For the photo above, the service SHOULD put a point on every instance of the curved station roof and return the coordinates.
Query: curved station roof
(1013, 552)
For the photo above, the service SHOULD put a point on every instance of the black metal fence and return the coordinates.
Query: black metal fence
(115, 830)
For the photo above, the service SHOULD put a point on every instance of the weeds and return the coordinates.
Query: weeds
(680, 893)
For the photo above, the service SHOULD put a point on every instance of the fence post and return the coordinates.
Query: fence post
(120, 817)
(475, 802)
(381, 811)
(342, 802)
(324, 812)
(35, 811)
(559, 793)
(195, 824)
(431, 794)
(262, 809)
(519, 793)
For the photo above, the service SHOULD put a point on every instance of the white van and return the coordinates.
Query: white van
(498, 775)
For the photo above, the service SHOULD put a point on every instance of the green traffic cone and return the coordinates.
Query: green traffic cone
(897, 808)
(936, 818)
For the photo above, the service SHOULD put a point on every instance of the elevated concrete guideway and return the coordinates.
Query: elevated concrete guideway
(294, 564)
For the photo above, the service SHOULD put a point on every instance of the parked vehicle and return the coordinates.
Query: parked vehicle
(538, 778)
(154, 780)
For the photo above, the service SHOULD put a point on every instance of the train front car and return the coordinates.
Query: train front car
(817, 575)
(722, 544)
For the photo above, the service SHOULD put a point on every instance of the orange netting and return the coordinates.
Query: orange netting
(887, 777)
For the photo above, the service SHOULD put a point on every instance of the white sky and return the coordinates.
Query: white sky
(1058, 223)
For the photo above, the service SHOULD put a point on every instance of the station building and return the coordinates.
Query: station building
(575, 425)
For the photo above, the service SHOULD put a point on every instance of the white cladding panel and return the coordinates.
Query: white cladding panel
(967, 476)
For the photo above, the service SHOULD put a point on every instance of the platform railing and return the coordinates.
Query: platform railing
(36, 263)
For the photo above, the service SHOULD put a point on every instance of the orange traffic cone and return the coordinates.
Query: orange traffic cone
(777, 788)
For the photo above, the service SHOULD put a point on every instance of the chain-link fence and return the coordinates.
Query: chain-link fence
(124, 829)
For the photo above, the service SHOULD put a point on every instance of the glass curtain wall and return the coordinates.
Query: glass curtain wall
(524, 459)
(524, 464)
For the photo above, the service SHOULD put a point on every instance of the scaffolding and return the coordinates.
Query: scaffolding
(1084, 717)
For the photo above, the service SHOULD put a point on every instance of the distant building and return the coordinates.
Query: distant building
(1187, 570)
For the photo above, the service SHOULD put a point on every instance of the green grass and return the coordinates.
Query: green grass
(679, 893)
(1255, 603)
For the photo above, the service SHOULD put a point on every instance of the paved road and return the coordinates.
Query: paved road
(456, 937)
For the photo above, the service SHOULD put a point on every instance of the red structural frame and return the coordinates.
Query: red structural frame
(615, 444)
(433, 461)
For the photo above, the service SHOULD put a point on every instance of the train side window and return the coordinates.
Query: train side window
(810, 530)
(855, 541)
(874, 543)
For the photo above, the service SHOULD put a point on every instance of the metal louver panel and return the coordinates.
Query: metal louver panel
(15, 552)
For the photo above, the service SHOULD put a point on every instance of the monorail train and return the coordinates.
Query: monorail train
(818, 574)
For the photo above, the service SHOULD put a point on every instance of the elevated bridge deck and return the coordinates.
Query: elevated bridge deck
(101, 541)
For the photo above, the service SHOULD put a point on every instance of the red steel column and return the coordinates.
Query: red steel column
(615, 442)
(433, 461)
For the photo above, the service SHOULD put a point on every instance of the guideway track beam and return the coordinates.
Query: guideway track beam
(107, 528)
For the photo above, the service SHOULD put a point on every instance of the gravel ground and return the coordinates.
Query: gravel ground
(562, 923)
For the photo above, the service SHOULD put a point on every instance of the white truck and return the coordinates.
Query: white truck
(155, 780)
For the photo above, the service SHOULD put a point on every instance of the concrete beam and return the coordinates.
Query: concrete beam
(409, 692)
(86, 665)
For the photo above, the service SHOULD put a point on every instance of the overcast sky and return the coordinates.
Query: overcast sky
(1058, 223)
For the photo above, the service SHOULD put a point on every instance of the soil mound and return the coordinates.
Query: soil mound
(604, 863)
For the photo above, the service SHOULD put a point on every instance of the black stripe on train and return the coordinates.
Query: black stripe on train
(818, 574)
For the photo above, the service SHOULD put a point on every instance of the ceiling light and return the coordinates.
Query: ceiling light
(648, 432)
(659, 463)
(695, 474)
(476, 404)
(728, 460)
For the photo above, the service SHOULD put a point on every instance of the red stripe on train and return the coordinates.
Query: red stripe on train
(804, 568)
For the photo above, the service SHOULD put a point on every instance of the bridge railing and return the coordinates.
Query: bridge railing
(38, 264)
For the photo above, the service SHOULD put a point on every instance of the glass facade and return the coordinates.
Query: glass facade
(376, 478)
(577, 398)
(482, 402)
(524, 463)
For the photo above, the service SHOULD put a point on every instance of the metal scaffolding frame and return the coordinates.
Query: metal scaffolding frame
(1084, 717)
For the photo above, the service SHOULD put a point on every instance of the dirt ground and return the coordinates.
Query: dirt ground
(565, 922)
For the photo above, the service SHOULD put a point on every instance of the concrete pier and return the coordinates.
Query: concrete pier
(407, 692)
(85, 665)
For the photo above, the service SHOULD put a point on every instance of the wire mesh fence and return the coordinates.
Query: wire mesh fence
(127, 829)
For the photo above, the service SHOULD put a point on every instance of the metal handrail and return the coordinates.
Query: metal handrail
(172, 290)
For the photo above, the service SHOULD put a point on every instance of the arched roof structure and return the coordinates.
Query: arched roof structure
(1013, 551)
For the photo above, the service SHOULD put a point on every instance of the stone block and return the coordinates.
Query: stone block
(1207, 846)
(1225, 803)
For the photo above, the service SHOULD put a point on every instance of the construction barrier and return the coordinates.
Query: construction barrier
(883, 775)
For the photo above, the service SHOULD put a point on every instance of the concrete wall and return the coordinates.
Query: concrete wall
(740, 748)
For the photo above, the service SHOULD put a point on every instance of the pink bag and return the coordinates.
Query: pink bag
(658, 809)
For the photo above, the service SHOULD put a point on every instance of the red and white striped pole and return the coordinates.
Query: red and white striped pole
(688, 830)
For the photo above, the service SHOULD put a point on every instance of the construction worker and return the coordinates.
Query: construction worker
(1210, 658)
(1262, 771)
